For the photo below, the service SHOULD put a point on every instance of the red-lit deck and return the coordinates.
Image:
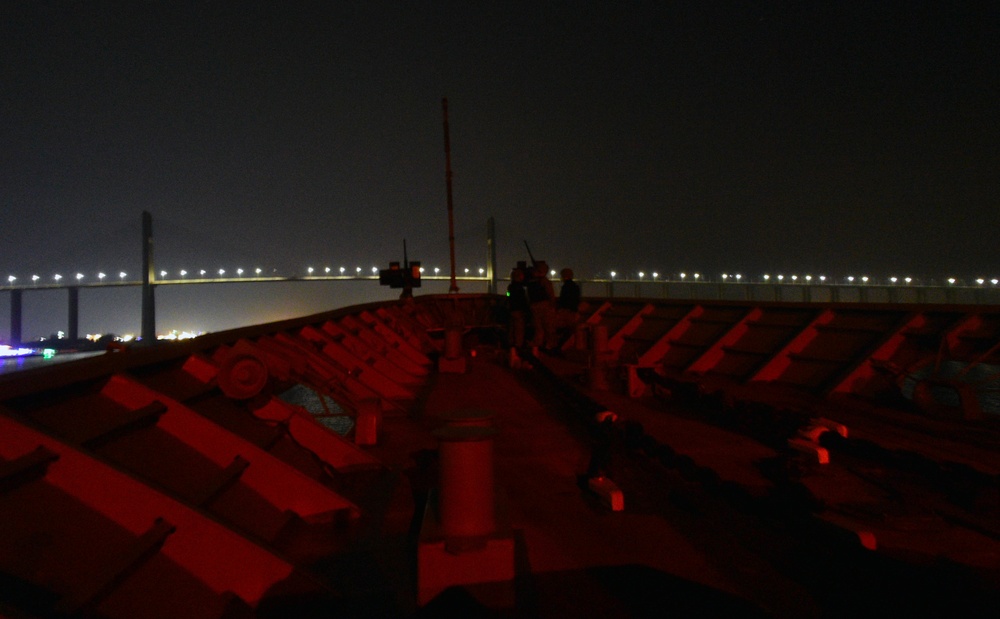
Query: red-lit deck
(173, 482)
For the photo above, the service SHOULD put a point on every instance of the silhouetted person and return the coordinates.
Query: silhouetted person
(517, 305)
(567, 305)
(543, 311)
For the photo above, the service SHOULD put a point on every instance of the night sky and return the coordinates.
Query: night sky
(760, 136)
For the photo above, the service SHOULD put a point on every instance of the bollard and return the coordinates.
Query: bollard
(452, 361)
(465, 539)
(468, 417)
(452, 343)
(465, 500)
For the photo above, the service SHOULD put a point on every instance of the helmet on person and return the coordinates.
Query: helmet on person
(566, 273)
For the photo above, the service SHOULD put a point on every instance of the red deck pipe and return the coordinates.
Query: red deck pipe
(469, 417)
(452, 343)
(466, 499)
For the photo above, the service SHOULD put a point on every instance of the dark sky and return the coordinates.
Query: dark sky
(832, 137)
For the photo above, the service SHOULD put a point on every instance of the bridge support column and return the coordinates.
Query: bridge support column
(148, 277)
(73, 330)
(491, 256)
(15, 317)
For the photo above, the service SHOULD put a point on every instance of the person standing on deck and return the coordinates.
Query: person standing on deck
(517, 304)
(567, 305)
(543, 311)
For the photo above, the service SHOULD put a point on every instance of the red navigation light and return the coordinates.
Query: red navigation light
(415, 274)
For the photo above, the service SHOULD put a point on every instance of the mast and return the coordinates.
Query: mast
(447, 175)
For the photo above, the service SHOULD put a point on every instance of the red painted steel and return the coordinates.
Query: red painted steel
(143, 489)
(393, 350)
(374, 356)
(655, 353)
(408, 346)
(285, 488)
(328, 446)
(776, 368)
(366, 373)
(212, 553)
(465, 502)
(618, 338)
(869, 374)
(711, 357)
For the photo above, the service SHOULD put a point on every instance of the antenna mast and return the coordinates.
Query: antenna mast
(447, 176)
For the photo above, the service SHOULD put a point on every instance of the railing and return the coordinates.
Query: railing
(726, 290)
(919, 294)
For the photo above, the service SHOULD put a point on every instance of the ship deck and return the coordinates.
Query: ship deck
(766, 465)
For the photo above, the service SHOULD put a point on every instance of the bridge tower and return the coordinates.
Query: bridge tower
(148, 279)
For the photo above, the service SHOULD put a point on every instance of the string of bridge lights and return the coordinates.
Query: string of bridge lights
(637, 276)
